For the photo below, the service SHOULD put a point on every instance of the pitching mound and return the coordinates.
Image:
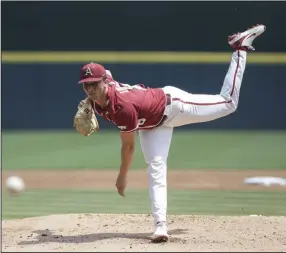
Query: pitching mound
(102, 232)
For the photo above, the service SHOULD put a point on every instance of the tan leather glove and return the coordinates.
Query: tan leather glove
(85, 121)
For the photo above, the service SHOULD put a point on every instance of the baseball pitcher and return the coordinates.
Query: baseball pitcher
(154, 112)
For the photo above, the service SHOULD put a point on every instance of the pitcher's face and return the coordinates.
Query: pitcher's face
(94, 90)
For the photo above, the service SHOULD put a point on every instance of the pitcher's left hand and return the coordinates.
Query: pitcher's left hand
(121, 183)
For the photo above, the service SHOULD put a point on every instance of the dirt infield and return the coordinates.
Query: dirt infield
(105, 179)
(126, 233)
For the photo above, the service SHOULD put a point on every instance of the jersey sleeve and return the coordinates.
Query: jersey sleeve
(127, 119)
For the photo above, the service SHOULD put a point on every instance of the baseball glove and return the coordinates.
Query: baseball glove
(85, 121)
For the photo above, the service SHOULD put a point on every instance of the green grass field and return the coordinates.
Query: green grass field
(190, 150)
(45, 202)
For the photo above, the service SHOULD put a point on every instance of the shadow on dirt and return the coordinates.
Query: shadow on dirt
(46, 236)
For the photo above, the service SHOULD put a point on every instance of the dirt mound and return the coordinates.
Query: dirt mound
(104, 232)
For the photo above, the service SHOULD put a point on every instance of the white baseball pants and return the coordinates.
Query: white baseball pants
(186, 108)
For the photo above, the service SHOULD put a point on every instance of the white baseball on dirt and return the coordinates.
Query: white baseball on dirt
(15, 185)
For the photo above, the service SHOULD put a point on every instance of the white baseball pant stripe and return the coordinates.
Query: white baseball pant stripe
(186, 108)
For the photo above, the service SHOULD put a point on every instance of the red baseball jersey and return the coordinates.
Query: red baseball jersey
(132, 108)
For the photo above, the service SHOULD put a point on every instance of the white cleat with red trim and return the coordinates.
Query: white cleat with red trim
(243, 41)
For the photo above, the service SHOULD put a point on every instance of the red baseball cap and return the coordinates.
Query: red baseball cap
(92, 72)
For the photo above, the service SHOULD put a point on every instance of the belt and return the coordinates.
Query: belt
(168, 102)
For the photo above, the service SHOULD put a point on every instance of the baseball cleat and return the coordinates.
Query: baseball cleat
(244, 40)
(160, 234)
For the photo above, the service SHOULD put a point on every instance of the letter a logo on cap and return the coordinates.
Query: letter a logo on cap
(88, 72)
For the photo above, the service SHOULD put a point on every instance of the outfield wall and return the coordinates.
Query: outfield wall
(156, 43)
(134, 25)
(45, 95)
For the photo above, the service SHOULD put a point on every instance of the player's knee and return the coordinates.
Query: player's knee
(232, 107)
(156, 164)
